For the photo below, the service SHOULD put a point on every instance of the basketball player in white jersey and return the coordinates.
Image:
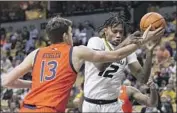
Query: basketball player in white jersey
(103, 80)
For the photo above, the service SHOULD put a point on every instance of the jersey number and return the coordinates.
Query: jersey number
(52, 65)
(109, 73)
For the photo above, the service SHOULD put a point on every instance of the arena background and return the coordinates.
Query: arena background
(23, 30)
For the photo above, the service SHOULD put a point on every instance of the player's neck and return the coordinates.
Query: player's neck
(60, 43)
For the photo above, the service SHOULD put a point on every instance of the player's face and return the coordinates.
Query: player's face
(69, 36)
(114, 34)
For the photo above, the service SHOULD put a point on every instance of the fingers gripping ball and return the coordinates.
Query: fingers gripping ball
(155, 19)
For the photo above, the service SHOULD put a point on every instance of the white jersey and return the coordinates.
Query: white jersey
(104, 85)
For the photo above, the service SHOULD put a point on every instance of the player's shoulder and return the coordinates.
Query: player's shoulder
(95, 39)
(33, 53)
(96, 43)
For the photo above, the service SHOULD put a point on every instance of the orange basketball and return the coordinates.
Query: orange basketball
(153, 18)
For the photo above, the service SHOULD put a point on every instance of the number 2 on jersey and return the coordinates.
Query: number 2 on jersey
(109, 73)
(52, 66)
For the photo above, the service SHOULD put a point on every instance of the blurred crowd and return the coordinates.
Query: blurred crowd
(12, 11)
(16, 45)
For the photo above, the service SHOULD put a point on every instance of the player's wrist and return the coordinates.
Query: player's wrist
(155, 88)
(138, 41)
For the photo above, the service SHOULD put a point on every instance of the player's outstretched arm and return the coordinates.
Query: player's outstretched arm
(87, 54)
(12, 78)
(103, 66)
(19, 83)
(133, 39)
(142, 73)
(143, 99)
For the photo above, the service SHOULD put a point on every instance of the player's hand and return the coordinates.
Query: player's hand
(135, 38)
(151, 84)
(152, 44)
(152, 35)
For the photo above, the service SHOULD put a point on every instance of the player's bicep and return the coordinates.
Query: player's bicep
(88, 54)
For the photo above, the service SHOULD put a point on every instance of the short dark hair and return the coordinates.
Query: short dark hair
(56, 27)
(114, 20)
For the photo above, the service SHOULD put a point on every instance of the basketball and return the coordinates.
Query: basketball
(153, 18)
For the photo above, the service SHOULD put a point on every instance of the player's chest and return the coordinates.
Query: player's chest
(121, 64)
(114, 70)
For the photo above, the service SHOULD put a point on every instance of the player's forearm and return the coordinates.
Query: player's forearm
(153, 100)
(20, 84)
(147, 67)
(124, 43)
(125, 51)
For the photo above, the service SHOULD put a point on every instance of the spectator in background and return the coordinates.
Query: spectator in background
(159, 80)
(83, 38)
(169, 48)
(6, 64)
(13, 39)
(9, 32)
(166, 106)
(7, 45)
(172, 81)
(14, 104)
(170, 93)
(2, 36)
(3, 40)
(170, 27)
(79, 35)
(33, 32)
(162, 55)
(30, 44)
(78, 100)
(172, 68)
(25, 33)
(19, 56)
(164, 74)
(72, 96)
(40, 42)
(89, 30)
(75, 31)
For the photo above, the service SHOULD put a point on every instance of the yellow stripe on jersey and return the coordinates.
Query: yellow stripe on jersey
(107, 44)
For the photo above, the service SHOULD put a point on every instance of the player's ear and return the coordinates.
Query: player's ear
(105, 30)
(64, 37)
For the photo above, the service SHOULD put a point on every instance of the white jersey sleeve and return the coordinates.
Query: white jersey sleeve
(132, 58)
(96, 43)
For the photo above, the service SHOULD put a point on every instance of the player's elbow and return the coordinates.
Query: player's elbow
(152, 104)
(5, 82)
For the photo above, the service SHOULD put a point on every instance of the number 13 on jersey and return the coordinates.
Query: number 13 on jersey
(48, 70)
